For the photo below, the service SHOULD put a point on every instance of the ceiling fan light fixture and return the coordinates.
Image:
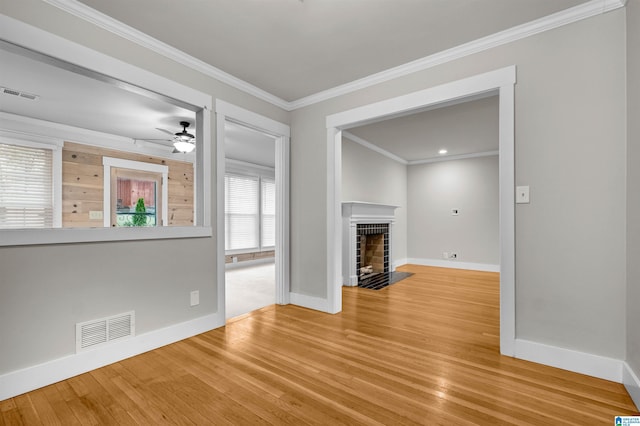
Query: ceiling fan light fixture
(184, 146)
(183, 141)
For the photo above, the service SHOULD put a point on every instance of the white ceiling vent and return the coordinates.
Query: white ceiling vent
(91, 334)
(14, 92)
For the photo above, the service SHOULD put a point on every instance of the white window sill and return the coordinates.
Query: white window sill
(22, 237)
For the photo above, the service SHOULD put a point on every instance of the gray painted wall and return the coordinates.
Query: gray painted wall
(469, 185)
(633, 177)
(45, 290)
(570, 148)
(371, 177)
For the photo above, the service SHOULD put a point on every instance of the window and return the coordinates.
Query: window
(134, 193)
(250, 213)
(241, 212)
(268, 235)
(27, 186)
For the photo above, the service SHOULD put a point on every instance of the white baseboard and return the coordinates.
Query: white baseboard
(399, 262)
(30, 378)
(311, 302)
(246, 263)
(566, 359)
(442, 263)
(632, 383)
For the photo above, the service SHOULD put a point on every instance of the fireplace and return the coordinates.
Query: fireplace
(372, 249)
(366, 235)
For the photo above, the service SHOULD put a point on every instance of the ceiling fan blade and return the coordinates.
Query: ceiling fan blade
(165, 130)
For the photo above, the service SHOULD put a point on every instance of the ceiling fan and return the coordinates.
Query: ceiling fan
(183, 142)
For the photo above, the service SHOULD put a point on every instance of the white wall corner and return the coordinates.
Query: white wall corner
(442, 263)
(310, 302)
(570, 360)
(632, 383)
(34, 377)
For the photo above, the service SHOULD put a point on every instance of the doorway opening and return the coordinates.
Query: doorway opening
(249, 197)
(500, 82)
(255, 224)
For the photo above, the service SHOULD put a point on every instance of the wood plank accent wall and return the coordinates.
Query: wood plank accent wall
(83, 181)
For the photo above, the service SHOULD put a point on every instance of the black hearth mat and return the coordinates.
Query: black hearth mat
(383, 279)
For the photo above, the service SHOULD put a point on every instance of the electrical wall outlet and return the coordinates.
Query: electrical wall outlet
(445, 255)
(195, 298)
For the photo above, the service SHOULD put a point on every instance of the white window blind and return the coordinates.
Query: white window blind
(26, 187)
(241, 212)
(268, 213)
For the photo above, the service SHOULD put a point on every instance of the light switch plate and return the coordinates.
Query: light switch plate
(195, 298)
(522, 195)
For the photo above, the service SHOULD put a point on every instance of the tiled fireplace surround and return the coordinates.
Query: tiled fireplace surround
(360, 219)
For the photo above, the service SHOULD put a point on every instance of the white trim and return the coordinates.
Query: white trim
(30, 37)
(373, 147)
(118, 28)
(631, 383)
(570, 360)
(109, 162)
(37, 376)
(365, 143)
(443, 263)
(565, 17)
(399, 262)
(229, 112)
(248, 263)
(135, 165)
(246, 168)
(309, 302)
(502, 80)
(334, 218)
(37, 141)
(27, 237)
(252, 120)
(353, 214)
(55, 145)
(454, 157)
(33, 127)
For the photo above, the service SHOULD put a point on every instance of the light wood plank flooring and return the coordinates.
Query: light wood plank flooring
(422, 351)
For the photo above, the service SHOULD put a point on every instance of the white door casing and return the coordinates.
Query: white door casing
(500, 82)
(226, 111)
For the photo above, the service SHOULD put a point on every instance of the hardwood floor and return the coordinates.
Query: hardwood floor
(422, 351)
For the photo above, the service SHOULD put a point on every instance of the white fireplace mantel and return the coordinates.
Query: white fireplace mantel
(359, 212)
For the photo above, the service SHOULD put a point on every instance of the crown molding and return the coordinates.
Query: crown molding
(565, 17)
(365, 143)
(373, 147)
(114, 26)
(454, 157)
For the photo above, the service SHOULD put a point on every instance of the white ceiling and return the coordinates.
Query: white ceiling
(295, 48)
(244, 144)
(73, 99)
(290, 48)
(465, 128)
